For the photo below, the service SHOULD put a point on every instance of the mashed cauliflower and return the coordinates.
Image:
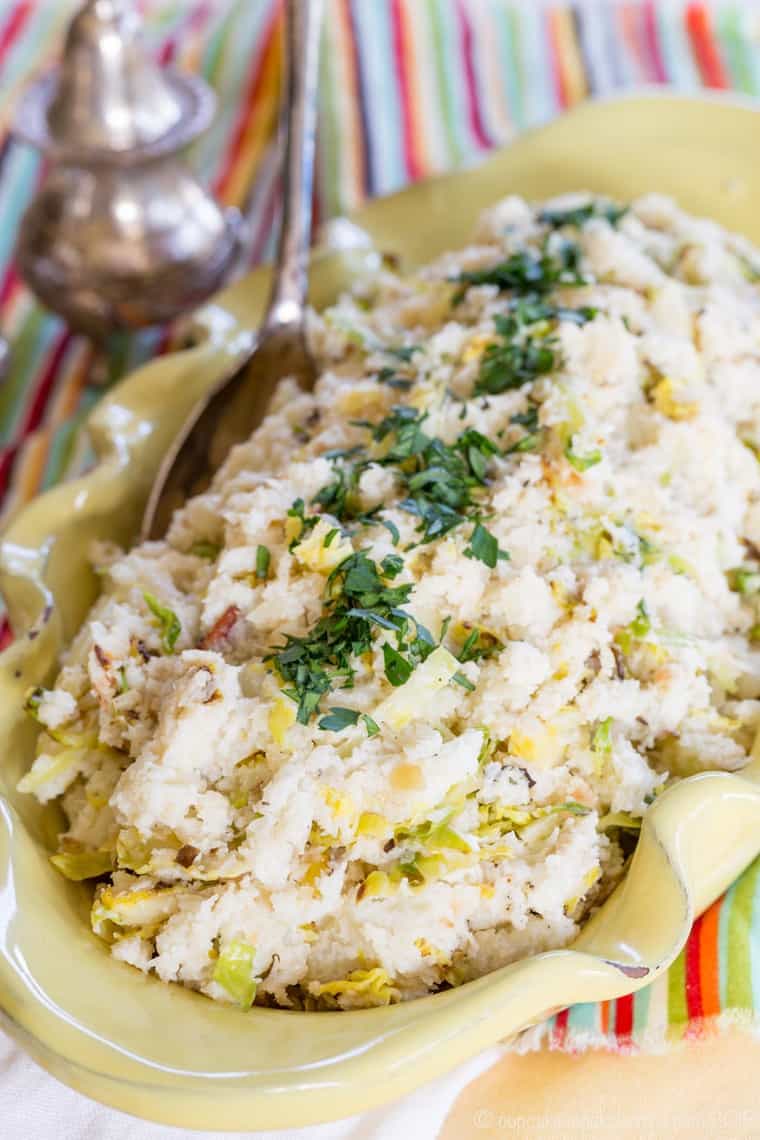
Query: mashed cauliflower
(385, 709)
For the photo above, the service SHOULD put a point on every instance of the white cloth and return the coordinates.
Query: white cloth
(34, 1106)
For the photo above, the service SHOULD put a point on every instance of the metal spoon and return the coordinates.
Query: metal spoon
(233, 411)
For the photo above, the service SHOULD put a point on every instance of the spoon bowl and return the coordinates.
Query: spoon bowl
(227, 417)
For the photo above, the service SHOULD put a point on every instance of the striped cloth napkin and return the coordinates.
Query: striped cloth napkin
(408, 88)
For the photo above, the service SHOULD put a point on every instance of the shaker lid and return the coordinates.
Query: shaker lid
(108, 98)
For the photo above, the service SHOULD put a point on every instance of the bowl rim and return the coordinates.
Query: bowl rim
(447, 1028)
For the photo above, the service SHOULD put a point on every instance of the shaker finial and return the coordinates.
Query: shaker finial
(110, 95)
(108, 100)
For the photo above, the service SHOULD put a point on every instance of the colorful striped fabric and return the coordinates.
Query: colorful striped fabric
(715, 981)
(408, 88)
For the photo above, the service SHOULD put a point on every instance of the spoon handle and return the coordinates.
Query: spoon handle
(303, 25)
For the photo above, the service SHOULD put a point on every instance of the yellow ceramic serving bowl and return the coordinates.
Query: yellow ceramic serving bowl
(171, 1055)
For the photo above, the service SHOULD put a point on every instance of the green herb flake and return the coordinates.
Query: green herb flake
(392, 565)
(516, 359)
(397, 669)
(340, 496)
(439, 481)
(338, 719)
(358, 600)
(371, 726)
(263, 558)
(394, 379)
(168, 622)
(526, 349)
(527, 443)
(464, 681)
(528, 272)
(578, 216)
(308, 522)
(392, 529)
(478, 645)
(403, 352)
(484, 546)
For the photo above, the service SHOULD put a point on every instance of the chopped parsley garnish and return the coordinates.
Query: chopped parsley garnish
(477, 645)
(342, 452)
(371, 725)
(263, 558)
(525, 350)
(528, 272)
(465, 682)
(528, 420)
(439, 481)
(392, 565)
(517, 359)
(397, 669)
(339, 497)
(403, 352)
(308, 522)
(338, 719)
(394, 379)
(579, 215)
(402, 428)
(359, 601)
(168, 622)
(528, 442)
(484, 546)
(577, 316)
(392, 529)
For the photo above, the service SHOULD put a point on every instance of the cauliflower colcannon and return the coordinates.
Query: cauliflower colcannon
(385, 709)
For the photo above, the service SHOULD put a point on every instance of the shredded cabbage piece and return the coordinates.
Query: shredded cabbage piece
(41, 774)
(83, 864)
(620, 819)
(375, 985)
(234, 972)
